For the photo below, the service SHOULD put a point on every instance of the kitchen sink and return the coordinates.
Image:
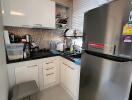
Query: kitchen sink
(75, 55)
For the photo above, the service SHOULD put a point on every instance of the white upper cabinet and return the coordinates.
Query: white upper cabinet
(15, 12)
(42, 13)
(29, 13)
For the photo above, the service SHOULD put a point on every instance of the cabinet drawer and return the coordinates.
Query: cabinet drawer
(49, 78)
(50, 65)
(51, 59)
(50, 71)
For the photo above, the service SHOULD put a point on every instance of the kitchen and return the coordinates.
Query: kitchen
(44, 55)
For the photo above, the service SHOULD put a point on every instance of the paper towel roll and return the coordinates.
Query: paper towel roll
(6, 36)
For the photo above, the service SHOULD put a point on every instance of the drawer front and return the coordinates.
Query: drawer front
(50, 71)
(49, 65)
(49, 78)
(51, 59)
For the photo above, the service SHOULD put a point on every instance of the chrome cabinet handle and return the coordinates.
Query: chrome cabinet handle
(49, 62)
(49, 74)
(31, 66)
(38, 25)
(50, 68)
(68, 66)
(25, 25)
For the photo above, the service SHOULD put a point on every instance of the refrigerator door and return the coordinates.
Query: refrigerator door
(103, 79)
(103, 27)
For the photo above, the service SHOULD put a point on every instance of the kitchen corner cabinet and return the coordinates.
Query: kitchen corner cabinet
(70, 75)
(29, 13)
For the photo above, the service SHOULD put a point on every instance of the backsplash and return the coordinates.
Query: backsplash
(42, 37)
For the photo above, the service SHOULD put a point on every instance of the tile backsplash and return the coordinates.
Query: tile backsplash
(42, 37)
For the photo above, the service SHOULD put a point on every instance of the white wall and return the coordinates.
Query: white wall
(82, 6)
(3, 68)
(79, 8)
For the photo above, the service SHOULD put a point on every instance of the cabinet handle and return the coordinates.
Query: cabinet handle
(68, 66)
(49, 62)
(25, 25)
(49, 74)
(31, 66)
(50, 68)
(38, 25)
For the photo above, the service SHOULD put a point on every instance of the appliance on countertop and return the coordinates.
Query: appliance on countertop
(106, 70)
(14, 38)
(26, 39)
(14, 51)
(19, 47)
(60, 46)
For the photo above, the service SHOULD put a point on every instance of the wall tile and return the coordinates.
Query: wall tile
(42, 37)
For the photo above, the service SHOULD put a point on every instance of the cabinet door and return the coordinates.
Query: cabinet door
(70, 79)
(42, 13)
(72, 84)
(15, 12)
(26, 73)
(64, 77)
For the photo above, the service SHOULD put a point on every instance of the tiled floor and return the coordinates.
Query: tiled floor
(54, 93)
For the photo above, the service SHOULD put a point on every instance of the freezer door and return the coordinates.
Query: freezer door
(103, 28)
(103, 79)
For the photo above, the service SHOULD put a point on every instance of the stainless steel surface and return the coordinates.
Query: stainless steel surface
(103, 79)
(104, 25)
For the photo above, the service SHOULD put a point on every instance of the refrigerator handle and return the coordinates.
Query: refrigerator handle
(114, 49)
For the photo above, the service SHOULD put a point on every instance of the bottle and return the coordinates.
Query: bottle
(71, 48)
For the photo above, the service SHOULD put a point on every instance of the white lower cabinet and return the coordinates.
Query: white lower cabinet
(26, 73)
(51, 72)
(70, 75)
(47, 72)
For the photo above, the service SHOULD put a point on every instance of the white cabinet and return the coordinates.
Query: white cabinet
(26, 73)
(29, 13)
(42, 13)
(70, 74)
(51, 72)
(47, 72)
(15, 12)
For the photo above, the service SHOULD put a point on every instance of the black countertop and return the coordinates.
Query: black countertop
(40, 55)
(35, 56)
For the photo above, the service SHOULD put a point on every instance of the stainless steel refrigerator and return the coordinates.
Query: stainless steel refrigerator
(106, 66)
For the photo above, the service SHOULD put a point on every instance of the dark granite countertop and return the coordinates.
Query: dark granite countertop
(33, 57)
(40, 55)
